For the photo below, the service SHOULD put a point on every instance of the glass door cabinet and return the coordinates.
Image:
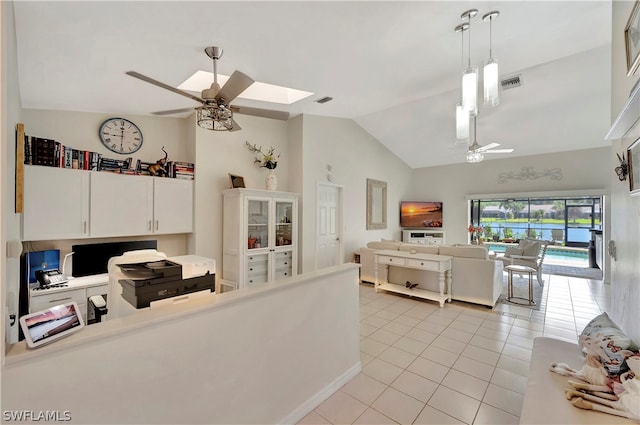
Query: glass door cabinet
(266, 240)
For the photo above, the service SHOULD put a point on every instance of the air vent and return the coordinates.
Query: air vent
(511, 82)
(324, 99)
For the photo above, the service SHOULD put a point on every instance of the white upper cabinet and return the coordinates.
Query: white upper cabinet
(172, 205)
(121, 205)
(64, 203)
(56, 203)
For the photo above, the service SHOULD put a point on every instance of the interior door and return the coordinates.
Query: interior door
(329, 245)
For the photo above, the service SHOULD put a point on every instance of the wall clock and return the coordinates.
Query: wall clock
(120, 135)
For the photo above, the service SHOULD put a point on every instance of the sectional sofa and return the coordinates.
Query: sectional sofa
(475, 278)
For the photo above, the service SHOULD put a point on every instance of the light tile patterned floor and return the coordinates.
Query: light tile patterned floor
(460, 364)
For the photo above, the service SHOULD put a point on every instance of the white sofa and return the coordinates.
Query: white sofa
(544, 399)
(475, 278)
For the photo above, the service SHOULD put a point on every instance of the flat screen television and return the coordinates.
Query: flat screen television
(421, 214)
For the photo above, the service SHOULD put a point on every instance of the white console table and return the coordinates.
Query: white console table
(429, 262)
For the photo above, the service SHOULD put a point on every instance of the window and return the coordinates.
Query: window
(566, 221)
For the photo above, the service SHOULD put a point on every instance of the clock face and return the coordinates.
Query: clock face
(120, 136)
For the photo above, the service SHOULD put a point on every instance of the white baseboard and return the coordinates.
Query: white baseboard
(303, 410)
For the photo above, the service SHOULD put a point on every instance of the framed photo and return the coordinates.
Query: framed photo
(632, 39)
(236, 181)
(633, 156)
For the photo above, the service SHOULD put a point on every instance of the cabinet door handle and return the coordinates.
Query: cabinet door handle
(149, 225)
(250, 269)
(59, 299)
(84, 227)
(157, 224)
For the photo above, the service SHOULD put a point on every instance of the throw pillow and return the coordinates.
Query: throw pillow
(603, 339)
(512, 250)
(529, 248)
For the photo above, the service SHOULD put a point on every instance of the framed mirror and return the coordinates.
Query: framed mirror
(376, 204)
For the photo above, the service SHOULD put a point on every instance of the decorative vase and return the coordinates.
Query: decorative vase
(271, 181)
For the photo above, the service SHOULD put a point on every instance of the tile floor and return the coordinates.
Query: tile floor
(459, 364)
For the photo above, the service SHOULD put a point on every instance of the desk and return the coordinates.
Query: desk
(428, 262)
(78, 289)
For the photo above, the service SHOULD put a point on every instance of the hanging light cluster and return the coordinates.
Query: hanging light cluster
(467, 107)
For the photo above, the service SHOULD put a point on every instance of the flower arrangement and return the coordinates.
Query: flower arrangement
(474, 229)
(267, 160)
(476, 232)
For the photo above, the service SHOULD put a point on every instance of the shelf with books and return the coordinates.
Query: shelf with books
(51, 153)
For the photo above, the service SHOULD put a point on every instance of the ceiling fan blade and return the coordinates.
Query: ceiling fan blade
(163, 85)
(499, 151)
(235, 126)
(173, 111)
(487, 147)
(236, 84)
(258, 112)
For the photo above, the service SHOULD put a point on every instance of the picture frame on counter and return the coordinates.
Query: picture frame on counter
(633, 158)
(632, 39)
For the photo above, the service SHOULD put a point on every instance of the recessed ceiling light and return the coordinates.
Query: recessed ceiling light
(256, 91)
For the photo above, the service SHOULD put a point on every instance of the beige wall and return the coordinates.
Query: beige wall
(221, 153)
(354, 156)
(625, 211)
(10, 114)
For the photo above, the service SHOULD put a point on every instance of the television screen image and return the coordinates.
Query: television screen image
(421, 214)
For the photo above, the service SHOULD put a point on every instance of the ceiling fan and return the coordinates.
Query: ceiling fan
(476, 152)
(216, 111)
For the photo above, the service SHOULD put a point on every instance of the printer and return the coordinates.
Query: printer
(149, 281)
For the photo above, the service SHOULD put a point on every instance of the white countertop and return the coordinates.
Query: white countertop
(73, 283)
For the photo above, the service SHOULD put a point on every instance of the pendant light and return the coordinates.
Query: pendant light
(470, 74)
(490, 70)
(462, 115)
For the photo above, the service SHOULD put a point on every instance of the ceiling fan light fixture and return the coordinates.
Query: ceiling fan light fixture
(214, 118)
(474, 156)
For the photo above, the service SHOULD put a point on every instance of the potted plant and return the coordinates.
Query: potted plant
(268, 160)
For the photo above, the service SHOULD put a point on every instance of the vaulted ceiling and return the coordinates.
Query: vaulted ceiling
(393, 67)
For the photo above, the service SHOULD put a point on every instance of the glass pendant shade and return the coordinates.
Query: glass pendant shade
(491, 83)
(462, 124)
(470, 90)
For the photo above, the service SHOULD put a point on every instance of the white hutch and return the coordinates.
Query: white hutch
(260, 236)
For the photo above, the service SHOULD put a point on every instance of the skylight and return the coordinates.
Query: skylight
(257, 91)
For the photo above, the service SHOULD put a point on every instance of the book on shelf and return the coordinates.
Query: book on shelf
(94, 159)
(27, 150)
(67, 157)
(184, 176)
(74, 159)
(44, 151)
(180, 169)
